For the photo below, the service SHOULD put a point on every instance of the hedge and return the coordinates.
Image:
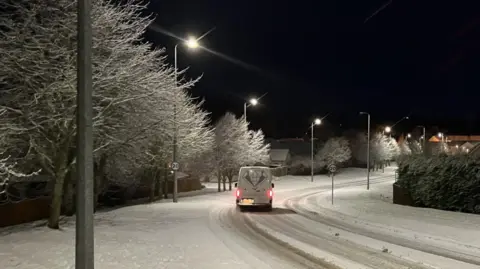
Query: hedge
(442, 182)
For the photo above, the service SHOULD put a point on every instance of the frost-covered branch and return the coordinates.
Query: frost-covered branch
(335, 151)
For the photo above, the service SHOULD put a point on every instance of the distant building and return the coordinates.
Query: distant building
(475, 151)
(458, 143)
(296, 146)
(280, 157)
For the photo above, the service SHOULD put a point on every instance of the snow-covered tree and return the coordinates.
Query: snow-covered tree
(236, 146)
(393, 150)
(379, 150)
(440, 148)
(404, 146)
(335, 151)
(133, 87)
(415, 147)
(8, 175)
(228, 146)
(258, 150)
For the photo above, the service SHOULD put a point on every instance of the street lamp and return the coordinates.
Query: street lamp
(191, 43)
(251, 102)
(317, 121)
(368, 148)
(388, 129)
(409, 135)
(424, 136)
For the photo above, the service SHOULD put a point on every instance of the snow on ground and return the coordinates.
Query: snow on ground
(205, 231)
(451, 234)
(162, 235)
(188, 234)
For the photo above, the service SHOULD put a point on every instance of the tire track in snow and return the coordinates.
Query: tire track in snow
(325, 240)
(310, 213)
(265, 248)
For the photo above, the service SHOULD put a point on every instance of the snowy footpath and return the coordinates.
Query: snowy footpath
(153, 236)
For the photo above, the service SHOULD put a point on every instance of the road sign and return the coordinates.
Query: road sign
(175, 166)
(332, 168)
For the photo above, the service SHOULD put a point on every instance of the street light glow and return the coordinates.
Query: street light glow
(317, 121)
(192, 43)
(409, 135)
(440, 135)
(388, 129)
(254, 101)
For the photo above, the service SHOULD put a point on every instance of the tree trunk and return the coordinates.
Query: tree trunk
(158, 185)
(68, 199)
(219, 180)
(57, 196)
(224, 181)
(165, 181)
(153, 185)
(99, 176)
(230, 179)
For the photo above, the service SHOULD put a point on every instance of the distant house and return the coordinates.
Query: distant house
(458, 143)
(296, 146)
(280, 157)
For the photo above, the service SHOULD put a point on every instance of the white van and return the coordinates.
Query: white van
(254, 187)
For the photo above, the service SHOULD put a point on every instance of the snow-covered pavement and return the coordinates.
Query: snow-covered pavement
(361, 230)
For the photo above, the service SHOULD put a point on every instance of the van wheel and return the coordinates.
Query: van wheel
(269, 208)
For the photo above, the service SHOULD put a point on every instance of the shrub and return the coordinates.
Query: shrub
(442, 182)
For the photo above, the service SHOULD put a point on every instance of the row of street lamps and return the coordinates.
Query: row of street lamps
(192, 43)
(387, 129)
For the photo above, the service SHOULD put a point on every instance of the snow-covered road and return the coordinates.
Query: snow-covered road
(361, 230)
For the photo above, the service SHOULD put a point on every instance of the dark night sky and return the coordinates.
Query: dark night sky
(413, 58)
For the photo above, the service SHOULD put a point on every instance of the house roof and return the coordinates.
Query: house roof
(468, 145)
(474, 149)
(279, 155)
(296, 147)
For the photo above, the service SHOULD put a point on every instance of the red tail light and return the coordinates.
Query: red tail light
(237, 193)
(270, 193)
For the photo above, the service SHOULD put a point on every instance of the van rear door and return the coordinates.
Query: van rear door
(255, 184)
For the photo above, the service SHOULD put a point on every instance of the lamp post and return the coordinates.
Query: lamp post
(442, 136)
(251, 102)
(389, 129)
(315, 122)
(368, 148)
(191, 43)
(424, 139)
(84, 245)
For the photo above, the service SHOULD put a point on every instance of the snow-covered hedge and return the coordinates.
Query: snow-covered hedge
(442, 182)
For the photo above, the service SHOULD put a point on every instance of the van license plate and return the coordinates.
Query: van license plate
(247, 201)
